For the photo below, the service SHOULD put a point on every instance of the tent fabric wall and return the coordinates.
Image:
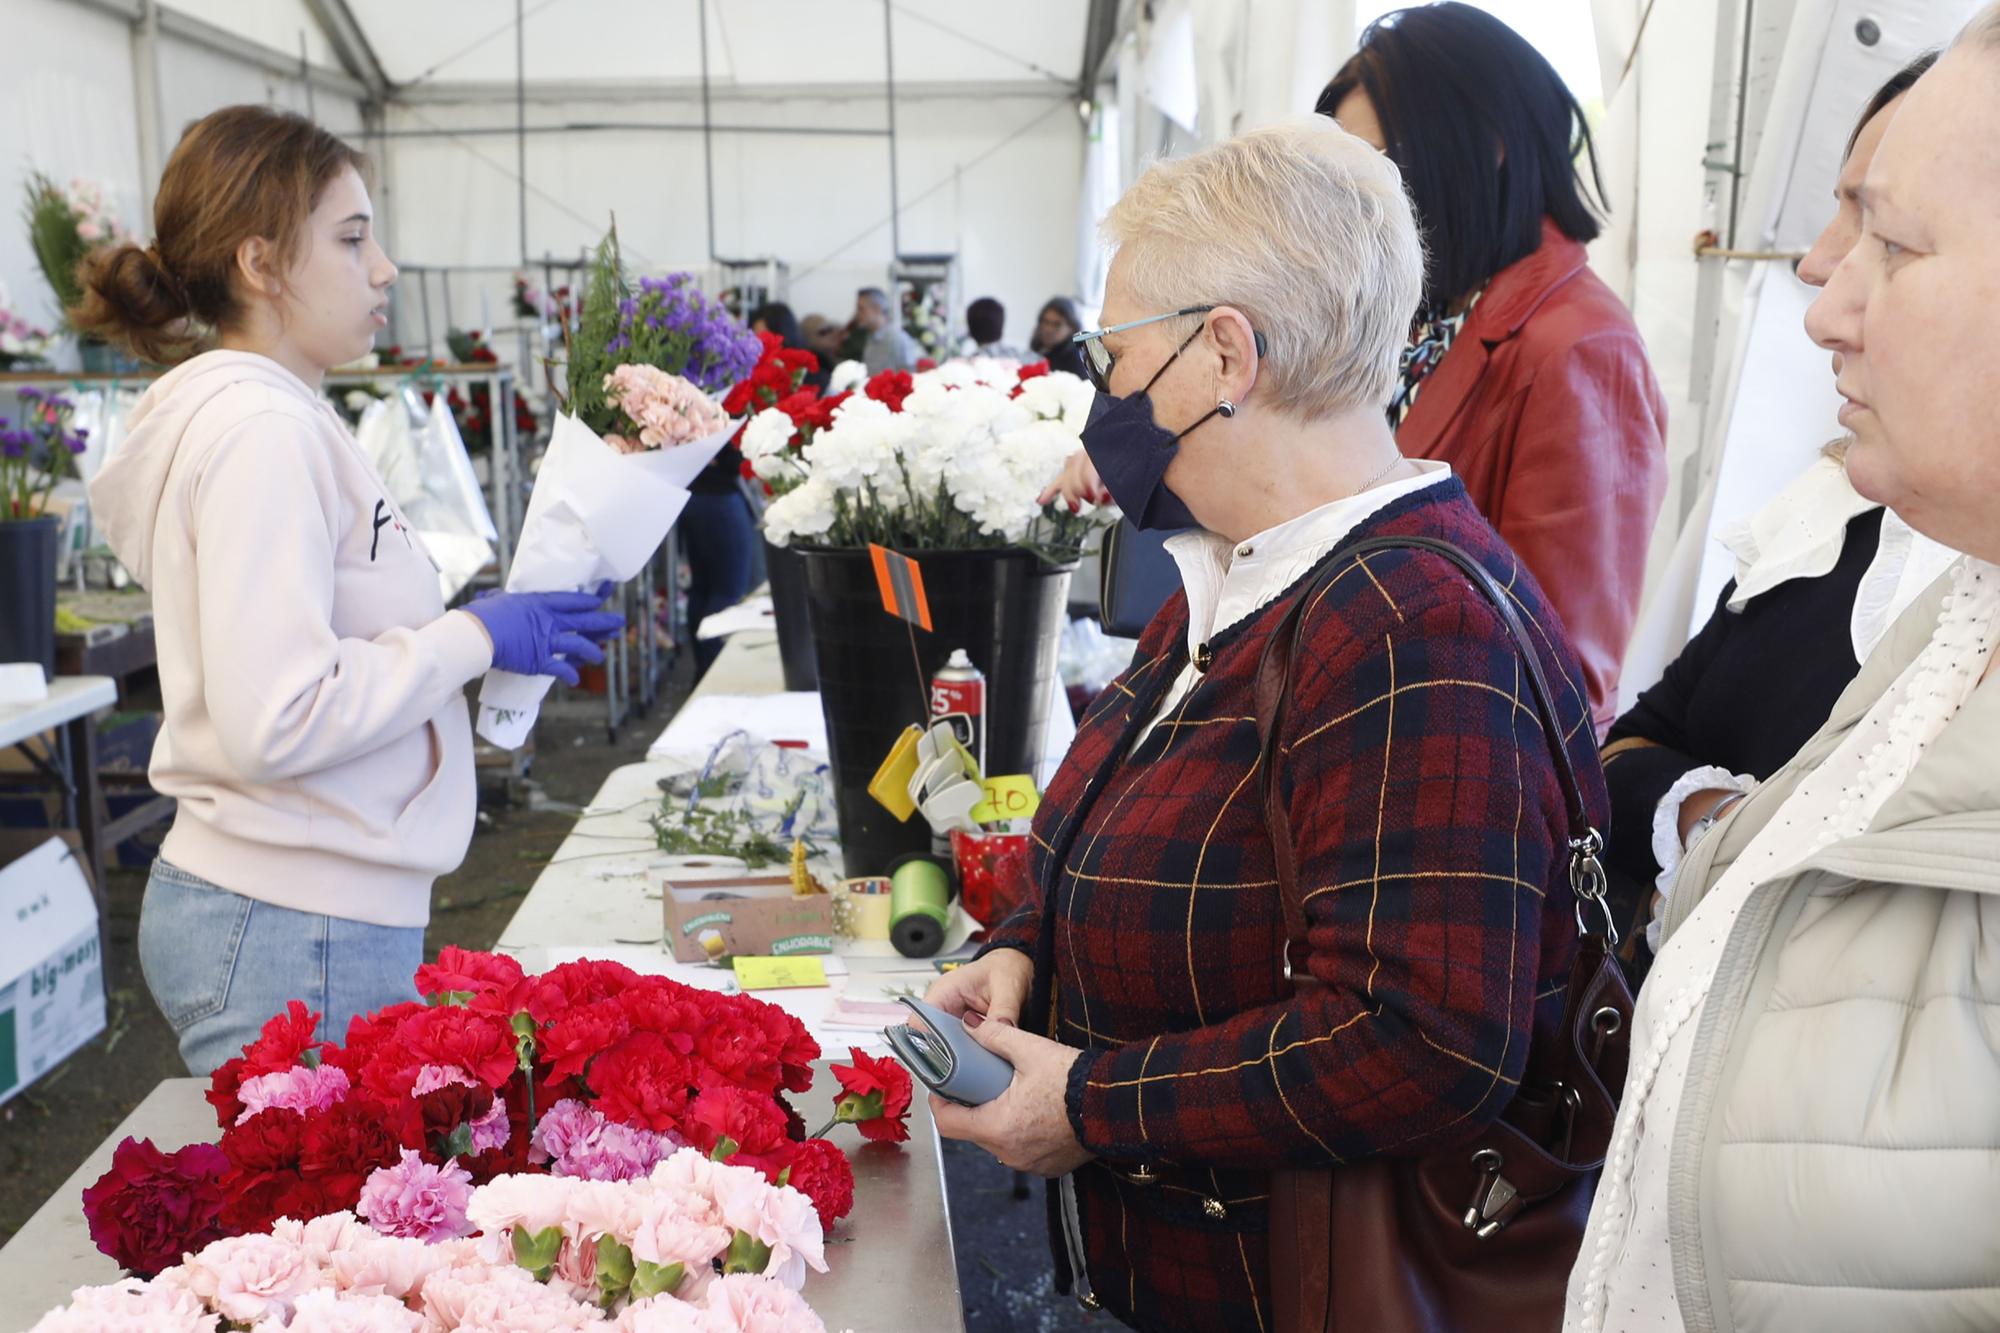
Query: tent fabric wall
(1772, 404)
(992, 175)
(68, 95)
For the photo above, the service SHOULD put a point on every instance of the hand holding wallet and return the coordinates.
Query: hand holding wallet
(942, 1055)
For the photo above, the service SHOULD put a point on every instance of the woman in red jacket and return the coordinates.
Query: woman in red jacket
(1524, 371)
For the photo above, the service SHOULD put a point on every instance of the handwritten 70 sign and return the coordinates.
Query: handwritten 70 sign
(1011, 797)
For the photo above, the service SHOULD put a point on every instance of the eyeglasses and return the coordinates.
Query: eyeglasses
(1099, 359)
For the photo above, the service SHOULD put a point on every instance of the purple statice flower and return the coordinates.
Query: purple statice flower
(14, 443)
(31, 395)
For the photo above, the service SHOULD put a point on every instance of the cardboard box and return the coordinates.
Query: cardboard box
(721, 912)
(51, 964)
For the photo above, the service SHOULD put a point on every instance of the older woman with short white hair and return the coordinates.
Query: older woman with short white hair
(1408, 859)
(1810, 1138)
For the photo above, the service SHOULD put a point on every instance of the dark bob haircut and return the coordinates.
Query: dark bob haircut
(1899, 83)
(1489, 139)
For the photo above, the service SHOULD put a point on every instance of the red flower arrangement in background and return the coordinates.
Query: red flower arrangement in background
(589, 1069)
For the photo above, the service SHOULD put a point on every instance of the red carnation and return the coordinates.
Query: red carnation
(642, 1081)
(891, 387)
(738, 1052)
(1034, 370)
(286, 1041)
(465, 972)
(876, 1097)
(820, 415)
(223, 1086)
(339, 1148)
(573, 984)
(480, 1044)
(821, 1172)
(925, 363)
(152, 1207)
(263, 1182)
(751, 1120)
(569, 1044)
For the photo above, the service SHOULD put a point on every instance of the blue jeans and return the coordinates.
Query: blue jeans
(721, 536)
(220, 965)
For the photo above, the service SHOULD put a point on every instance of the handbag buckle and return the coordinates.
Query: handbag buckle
(1495, 1201)
(1588, 882)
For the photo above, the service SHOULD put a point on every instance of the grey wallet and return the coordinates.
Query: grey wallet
(945, 1058)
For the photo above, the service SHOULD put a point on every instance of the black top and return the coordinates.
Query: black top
(1747, 691)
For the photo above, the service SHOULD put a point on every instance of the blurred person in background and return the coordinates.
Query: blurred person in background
(986, 330)
(889, 346)
(823, 336)
(1055, 328)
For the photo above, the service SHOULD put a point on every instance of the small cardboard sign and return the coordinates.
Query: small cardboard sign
(1010, 797)
(761, 973)
(51, 973)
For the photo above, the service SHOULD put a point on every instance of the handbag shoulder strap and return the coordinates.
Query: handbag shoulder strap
(1274, 682)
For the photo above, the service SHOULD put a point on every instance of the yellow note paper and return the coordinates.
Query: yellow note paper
(1011, 797)
(758, 973)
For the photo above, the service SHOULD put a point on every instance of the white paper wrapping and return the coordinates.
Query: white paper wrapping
(595, 514)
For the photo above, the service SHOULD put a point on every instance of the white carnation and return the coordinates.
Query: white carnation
(1059, 396)
(848, 375)
(805, 514)
(769, 433)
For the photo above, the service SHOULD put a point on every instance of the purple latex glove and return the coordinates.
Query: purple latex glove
(534, 632)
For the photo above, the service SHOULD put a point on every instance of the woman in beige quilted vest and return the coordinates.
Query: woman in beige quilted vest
(1810, 1133)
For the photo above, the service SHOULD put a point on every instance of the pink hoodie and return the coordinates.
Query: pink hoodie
(317, 735)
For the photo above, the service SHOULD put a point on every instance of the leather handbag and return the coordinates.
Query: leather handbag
(1480, 1235)
(1136, 577)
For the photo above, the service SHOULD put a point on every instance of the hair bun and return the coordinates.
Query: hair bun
(132, 298)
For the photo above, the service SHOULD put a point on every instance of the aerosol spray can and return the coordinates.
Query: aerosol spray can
(958, 696)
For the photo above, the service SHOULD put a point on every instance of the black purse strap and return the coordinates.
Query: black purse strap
(1274, 679)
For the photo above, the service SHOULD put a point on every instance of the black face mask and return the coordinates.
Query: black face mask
(1131, 451)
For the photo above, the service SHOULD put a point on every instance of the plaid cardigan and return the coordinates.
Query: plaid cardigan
(1429, 828)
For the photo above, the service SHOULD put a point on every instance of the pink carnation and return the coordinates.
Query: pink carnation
(667, 409)
(502, 1300)
(294, 1089)
(778, 1216)
(605, 1208)
(249, 1277)
(677, 1228)
(392, 1266)
(416, 1200)
(577, 1140)
(130, 1306)
(335, 1312)
(663, 1314)
(534, 1202)
(759, 1305)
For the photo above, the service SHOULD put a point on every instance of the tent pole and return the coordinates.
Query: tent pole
(146, 93)
(521, 122)
(707, 134)
(889, 74)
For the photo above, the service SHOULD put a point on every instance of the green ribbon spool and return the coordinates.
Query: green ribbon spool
(919, 906)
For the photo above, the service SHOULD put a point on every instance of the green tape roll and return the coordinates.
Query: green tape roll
(919, 907)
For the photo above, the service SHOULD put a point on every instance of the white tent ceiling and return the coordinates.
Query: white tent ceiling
(752, 43)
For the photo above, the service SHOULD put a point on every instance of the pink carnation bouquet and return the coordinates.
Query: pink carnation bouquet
(658, 410)
(696, 1244)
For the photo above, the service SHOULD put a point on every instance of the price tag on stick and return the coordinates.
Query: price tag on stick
(1010, 797)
